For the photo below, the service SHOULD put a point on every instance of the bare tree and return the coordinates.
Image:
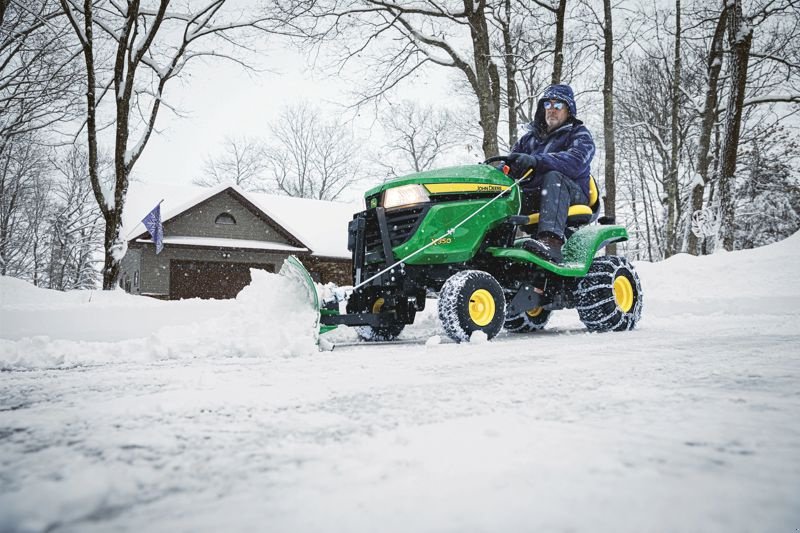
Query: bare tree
(242, 162)
(708, 114)
(644, 138)
(740, 38)
(671, 180)
(419, 135)
(308, 157)
(608, 117)
(76, 232)
(661, 140)
(404, 38)
(131, 52)
(38, 73)
(23, 189)
(559, 10)
(510, 35)
(774, 78)
(532, 56)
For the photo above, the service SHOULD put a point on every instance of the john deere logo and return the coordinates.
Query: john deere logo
(373, 203)
(489, 188)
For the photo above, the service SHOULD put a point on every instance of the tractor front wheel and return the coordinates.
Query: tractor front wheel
(469, 301)
(379, 333)
(609, 297)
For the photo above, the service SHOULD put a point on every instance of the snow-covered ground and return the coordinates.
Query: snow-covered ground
(129, 414)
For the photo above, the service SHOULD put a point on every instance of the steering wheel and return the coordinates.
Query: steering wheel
(495, 159)
(505, 169)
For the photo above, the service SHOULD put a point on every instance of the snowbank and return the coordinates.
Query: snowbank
(44, 329)
(762, 280)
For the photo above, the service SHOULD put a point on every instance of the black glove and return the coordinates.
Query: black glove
(521, 163)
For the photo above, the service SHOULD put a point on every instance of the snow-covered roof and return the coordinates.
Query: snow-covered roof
(321, 226)
(229, 243)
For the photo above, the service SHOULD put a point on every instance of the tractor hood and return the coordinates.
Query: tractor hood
(461, 180)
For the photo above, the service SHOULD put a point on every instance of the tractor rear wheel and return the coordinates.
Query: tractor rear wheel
(527, 321)
(609, 297)
(469, 301)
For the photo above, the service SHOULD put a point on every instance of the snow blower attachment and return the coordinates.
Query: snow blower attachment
(458, 233)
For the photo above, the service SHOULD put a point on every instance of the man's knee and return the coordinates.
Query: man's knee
(552, 177)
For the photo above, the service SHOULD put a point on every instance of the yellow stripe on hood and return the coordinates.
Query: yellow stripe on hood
(442, 188)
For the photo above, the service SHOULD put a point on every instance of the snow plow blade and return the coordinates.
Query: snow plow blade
(294, 270)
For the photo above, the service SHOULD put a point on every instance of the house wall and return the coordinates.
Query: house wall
(131, 271)
(338, 271)
(199, 222)
(156, 281)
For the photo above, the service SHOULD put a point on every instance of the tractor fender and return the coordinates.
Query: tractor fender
(578, 251)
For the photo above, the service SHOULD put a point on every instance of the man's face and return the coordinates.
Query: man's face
(553, 116)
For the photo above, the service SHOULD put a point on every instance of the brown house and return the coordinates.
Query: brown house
(213, 237)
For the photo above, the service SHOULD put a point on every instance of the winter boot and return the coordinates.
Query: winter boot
(547, 246)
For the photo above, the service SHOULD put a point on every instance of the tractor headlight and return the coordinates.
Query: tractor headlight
(405, 195)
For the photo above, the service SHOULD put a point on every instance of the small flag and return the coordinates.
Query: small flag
(153, 224)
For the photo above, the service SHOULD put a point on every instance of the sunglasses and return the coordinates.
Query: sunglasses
(555, 105)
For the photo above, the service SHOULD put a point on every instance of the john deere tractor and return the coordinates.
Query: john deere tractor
(458, 233)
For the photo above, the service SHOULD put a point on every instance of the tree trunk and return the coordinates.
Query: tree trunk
(112, 248)
(558, 53)
(511, 74)
(708, 117)
(487, 80)
(671, 183)
(740, 38)
(608, 120)
(86, 36)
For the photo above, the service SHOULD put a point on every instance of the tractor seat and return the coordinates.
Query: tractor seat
(578, 214)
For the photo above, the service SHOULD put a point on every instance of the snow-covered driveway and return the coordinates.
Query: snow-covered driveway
(686, 424)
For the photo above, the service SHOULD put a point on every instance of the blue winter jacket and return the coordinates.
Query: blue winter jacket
(568, 150)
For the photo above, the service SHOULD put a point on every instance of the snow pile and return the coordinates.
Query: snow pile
(762, 280)
(435, 340)
(45, 329)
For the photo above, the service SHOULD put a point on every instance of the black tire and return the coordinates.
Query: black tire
(527, 321)
(379, 333)
(469, 301)
(609, 297)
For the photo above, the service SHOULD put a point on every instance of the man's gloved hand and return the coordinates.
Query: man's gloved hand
(521, 163)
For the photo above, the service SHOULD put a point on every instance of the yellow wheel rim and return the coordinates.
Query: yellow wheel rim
(481, 307)
(376, 307)
(536, 311)
(623, 293)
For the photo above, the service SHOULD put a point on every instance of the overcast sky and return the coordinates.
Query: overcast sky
(221, 99)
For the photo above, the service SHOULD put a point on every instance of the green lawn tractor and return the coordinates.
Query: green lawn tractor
(456, 233)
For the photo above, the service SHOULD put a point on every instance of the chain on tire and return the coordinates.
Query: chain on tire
(609, 297)
(469, 301)
(527, 321)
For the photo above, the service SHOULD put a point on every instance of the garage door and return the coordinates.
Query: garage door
(209, 279)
